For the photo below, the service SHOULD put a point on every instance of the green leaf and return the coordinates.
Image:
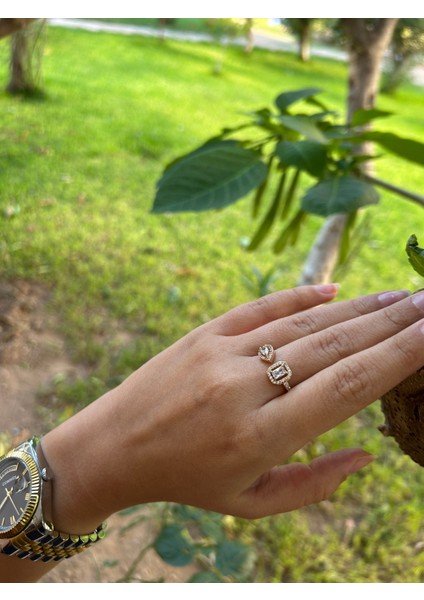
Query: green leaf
(338, 195)
(233, 558)
(205, 577)
(290, 233)
(211, 177)
(304, 154)
(269, 218)
(415, 255)
(408, 149)
(363, 116)
(286, 99)
(173, 546)
(305, 126)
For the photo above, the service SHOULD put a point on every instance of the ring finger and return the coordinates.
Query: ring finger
(309, 355)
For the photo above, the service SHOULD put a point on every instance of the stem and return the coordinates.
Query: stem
(393, 188)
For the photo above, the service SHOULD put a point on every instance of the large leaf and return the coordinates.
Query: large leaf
(213, 176)
(363, 116)
(305, 126)
(408, 149)
(415, 254)
(233, 558)
(338, 195)
(173, 546)
(284, 100)
(304, 155)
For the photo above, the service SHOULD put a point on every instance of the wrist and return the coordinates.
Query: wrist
(80, 454)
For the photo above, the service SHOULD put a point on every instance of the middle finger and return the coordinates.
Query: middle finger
(311, 354)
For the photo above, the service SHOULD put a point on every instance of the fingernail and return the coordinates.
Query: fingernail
(418, 300)
(360, 463)
(328, 289)
(388, 298)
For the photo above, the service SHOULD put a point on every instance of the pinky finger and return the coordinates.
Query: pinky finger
(293, 486)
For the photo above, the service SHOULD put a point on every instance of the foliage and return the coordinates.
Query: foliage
(415, 254)
(285, 145)
(190, 534)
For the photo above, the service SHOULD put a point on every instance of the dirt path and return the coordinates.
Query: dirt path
(32, 354)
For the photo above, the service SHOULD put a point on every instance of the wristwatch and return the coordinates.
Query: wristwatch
(25, 488)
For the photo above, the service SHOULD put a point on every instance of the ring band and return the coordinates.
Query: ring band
(279, 372)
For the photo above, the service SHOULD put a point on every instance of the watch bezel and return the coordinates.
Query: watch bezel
(34, 492)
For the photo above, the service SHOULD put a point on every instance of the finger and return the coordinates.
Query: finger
(340, 391)
(273, 306)
(326, 347)
(288, 329)
(293, 486)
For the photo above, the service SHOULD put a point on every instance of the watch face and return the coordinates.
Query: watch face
(19, 492)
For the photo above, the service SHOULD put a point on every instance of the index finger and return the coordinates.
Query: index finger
(343, 389)
(273, 306)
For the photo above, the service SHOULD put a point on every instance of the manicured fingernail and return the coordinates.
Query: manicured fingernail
(418, 300)
(361, 462)
(388, 298)
(328, 289)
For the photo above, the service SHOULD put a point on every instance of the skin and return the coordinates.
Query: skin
(201, 423)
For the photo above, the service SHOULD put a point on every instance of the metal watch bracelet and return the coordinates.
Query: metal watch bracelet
(39, 544)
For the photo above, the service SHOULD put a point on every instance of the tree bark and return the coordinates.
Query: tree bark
(366, 47)
(305, 39)
(9, 26)
(367, 44)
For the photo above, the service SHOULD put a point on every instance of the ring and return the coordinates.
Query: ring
(279, 372)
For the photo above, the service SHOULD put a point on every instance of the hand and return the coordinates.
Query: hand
(201, 423)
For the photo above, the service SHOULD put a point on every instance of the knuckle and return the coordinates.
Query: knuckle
(404, 352)
(396, 317)
(361, 305)
(303, 324)
(351, 382)
(335, 344)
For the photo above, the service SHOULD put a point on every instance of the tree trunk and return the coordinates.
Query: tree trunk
(367, 45)
(9, 26)
(25, 59)
(305, 39)
(249, 36)
(19, 81)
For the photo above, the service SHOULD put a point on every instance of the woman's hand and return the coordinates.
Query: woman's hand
(202, 424)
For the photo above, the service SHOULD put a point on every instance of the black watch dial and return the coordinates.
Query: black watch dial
(15, 493)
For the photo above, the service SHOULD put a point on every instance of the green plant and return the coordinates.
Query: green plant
(286, 145)
(415, 254)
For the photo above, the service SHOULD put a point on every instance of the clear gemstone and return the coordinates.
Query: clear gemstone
(279, 372)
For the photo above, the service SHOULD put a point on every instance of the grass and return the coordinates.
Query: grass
(77, 180)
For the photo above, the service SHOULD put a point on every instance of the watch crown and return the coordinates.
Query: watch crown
(44, 475)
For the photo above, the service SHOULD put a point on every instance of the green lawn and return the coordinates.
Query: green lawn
(77, 180)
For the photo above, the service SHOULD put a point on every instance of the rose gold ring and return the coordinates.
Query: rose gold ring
(279, 372)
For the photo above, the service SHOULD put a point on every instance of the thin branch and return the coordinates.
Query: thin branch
(393, 188)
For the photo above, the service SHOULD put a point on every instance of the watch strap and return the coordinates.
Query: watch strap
(43, 544)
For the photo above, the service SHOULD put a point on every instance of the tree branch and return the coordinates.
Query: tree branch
(393, 188)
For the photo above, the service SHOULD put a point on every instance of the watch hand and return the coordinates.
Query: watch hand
(4, 500)
(9, 495)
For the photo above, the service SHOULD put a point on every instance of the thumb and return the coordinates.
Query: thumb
(293, 486)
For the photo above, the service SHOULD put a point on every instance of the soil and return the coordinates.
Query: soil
(32, 355)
